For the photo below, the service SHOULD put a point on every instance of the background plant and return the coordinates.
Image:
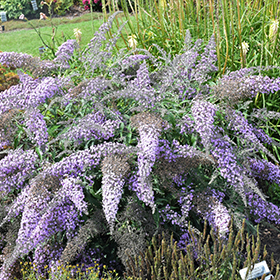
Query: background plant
(57, 7)
(15, 8)
(96, 5)
(234, 24)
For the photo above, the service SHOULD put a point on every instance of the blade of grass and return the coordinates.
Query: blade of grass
(224, 8)
(239, 35)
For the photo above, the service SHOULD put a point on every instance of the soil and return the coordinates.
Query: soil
(270, 236)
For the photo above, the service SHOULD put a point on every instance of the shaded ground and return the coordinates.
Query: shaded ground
(270, 236)
(74, 11)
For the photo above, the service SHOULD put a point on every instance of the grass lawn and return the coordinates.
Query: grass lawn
(21, 37)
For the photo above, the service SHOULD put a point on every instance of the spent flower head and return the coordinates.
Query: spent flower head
(245, 48)
(78, 34)
(273, 29)
(132, 41)
(43, 16)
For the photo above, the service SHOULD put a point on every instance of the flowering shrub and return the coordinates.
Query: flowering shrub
(96, 5)
(86, 150)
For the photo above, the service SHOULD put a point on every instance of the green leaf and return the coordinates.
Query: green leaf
(39, 153)
(52, 129)
(156, 217)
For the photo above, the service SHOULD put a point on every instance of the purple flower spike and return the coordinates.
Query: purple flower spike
(114, 169)
(36, 127)
(65, 52)
(149, 127)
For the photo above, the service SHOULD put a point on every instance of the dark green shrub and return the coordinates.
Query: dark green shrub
(58, 7)
(15, 8)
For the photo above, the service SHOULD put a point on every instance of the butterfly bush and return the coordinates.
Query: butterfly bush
(219, 216)
(265, 170)
(27, 62)
(206, 64)
(209, 206)
(16, 167)
(204, 113)
(139, 89)
(245, 132)
(93, 125)
(89, 89)
(93, 56)
(133, 60)
(114, 168)
(14, 60)
(149, 128)
(241, 85)
(185, 199)
(29, 94)
(65, 52)
(7, 128)
(38, 198)
(43, 254)
(36, 126)
(37, 228)
(72, 191)
(178, 147)
(263, 210)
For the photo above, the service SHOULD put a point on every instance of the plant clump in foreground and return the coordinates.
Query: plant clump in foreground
(206, 257)
(97, 150)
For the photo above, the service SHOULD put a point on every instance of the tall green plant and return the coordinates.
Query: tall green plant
(235, 24)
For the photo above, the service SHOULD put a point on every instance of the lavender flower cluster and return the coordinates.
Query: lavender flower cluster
(36, 127)
(208, 205)
(240, 85)
(65, 52)
(30, 93)
(15, 168)
(14, 60)
(263, 210)
(114, 169)
(149, 128)
(204, 113)
(28, 63)
(92, 126)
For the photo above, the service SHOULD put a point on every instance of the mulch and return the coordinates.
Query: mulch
(270, 236)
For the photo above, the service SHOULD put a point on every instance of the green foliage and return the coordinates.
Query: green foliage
(271, 103)
(274, 193)
(15, 8)
(234, 24)
(206, 257)
(58, 7)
